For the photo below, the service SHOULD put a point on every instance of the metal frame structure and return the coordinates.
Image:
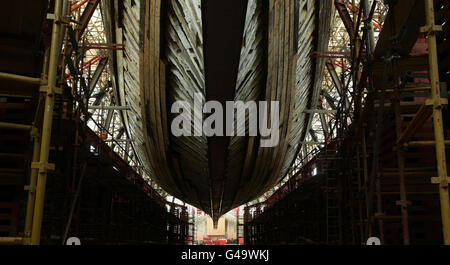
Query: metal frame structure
(335, 86)
(71, 90)
(376, 102)
(40, 165)
(437, 103)
(379, 191)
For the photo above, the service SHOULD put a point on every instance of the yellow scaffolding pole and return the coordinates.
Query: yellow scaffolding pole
(430, 29)
(15, 126)
(32, 186)
(35, 158)
(43, 166)
(12, 240)
(20, 78)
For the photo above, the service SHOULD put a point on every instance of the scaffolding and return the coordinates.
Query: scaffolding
(387, 102)
(41, 135)
(78, 126)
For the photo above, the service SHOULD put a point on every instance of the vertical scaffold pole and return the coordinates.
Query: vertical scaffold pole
(430, 29)
(32, 186)
(43, 166)
(403, 202)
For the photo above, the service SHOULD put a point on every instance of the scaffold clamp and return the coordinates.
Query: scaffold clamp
(443, 181)
(430, 29)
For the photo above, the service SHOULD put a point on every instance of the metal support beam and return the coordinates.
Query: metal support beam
(313, 135)
(20, 78)
(15, 126)
(337, 83)
(108, 120)
(311, 143)
(32, 186)
(320, 111)
(430, 29)
(43, 166)
(330, 100)
(345, 16)
(403, 203)
(104, 46)
(96, 76)
(369, 27)
(324, 124)
(87, 15)
(424, 143)
(109, 107)
(74, 202)
(119, 135)
(99, 97)
(120, 140)
(12, 240)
